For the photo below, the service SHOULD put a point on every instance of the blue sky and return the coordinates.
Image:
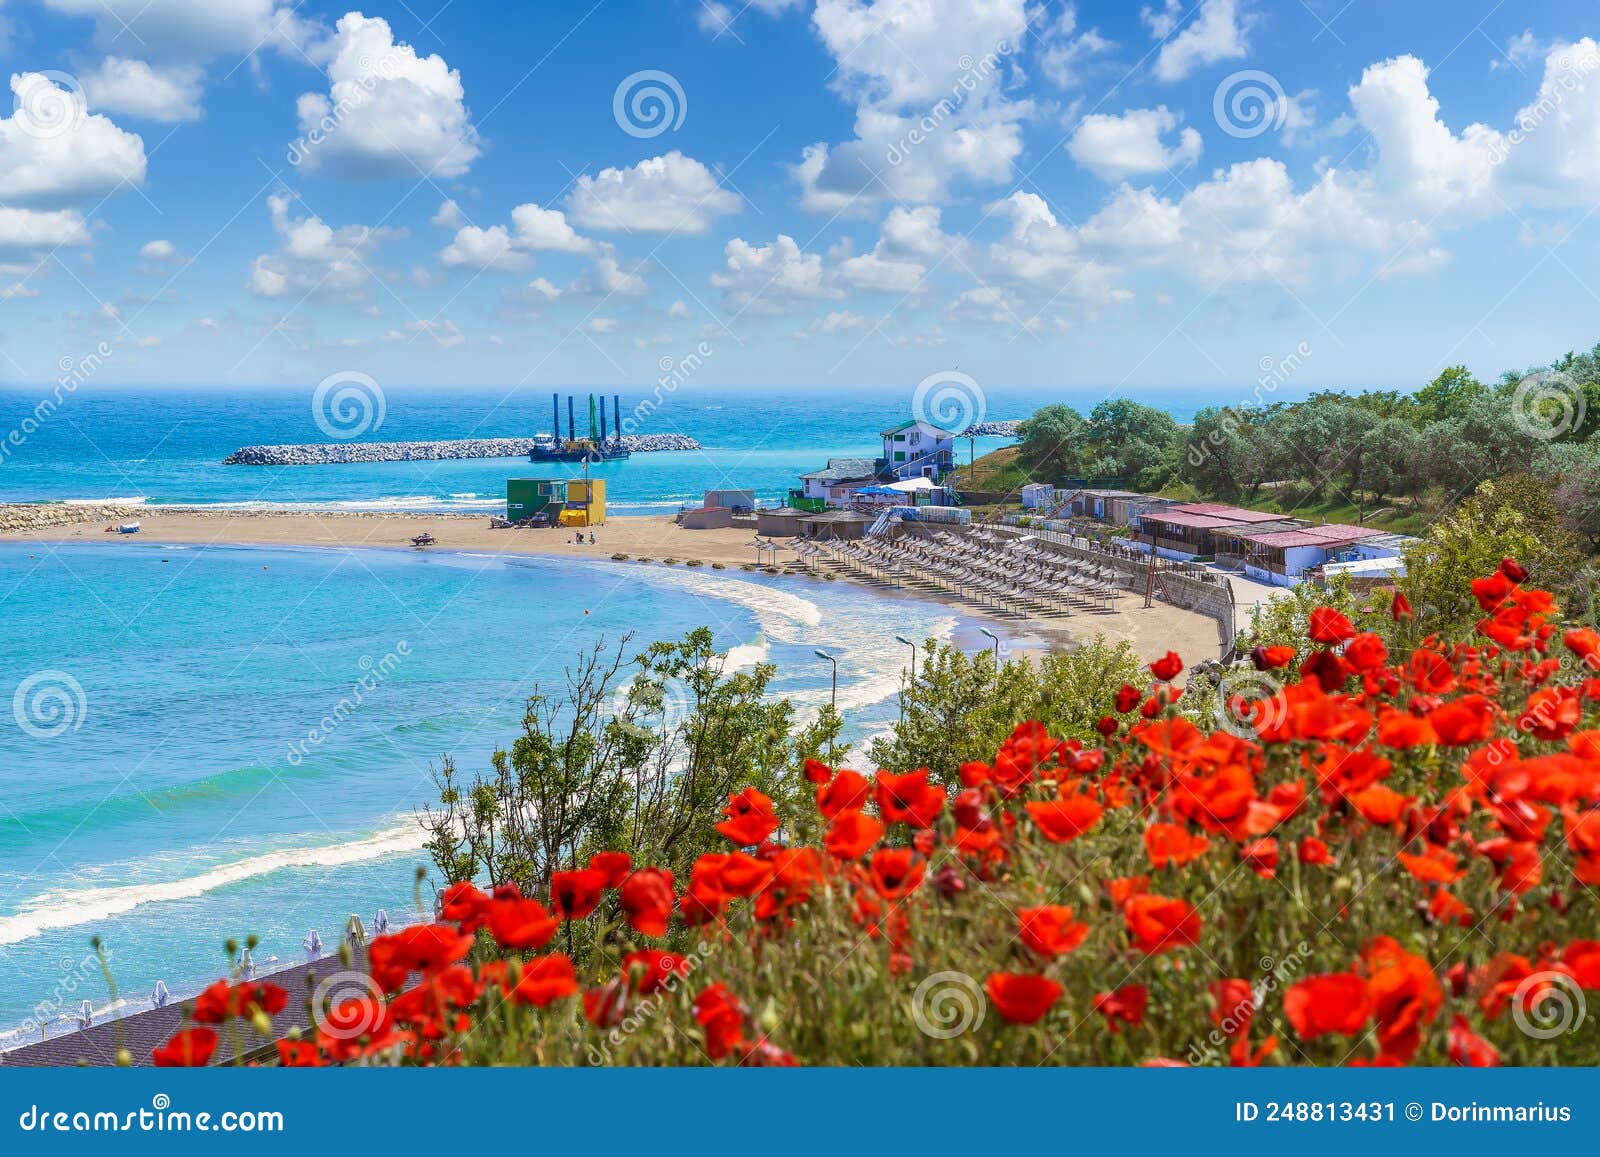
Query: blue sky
(841, 193)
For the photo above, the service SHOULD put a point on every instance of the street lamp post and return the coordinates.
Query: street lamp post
(834, 697)
(913, 676)
(990, 634)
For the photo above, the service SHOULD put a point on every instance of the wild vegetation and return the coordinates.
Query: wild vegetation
(1383, 457)
(1378, 844)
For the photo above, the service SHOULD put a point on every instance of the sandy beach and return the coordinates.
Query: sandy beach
(649, 540)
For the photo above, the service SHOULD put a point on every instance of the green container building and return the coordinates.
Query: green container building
(526, 497)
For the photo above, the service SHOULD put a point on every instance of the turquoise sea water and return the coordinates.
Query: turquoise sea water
(160, 785)
(166, 446)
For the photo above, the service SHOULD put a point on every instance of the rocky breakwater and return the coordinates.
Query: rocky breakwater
(335, 453)
(991, 430)
(21, 517)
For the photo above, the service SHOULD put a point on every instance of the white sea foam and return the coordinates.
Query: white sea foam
(747, 655)
(72, 907)
(782, 615)
(132, 500)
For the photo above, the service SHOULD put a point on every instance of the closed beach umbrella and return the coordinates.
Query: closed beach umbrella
(247, 965)
(85, 1014)
(159, 996)
(380, 923)
(313, 944)
(355, 931)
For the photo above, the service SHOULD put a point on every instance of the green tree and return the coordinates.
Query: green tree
(1511, 517)
(1448, 395)
(1129, 440)
(1053, 442)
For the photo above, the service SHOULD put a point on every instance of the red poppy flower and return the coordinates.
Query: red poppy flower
(896, 872)
(1050, 930)
(1107, 725)
(852, 834)
(742, 875)
(1271, 658)
(1173, 845)
(722, 1016)
(189, 1048)
(606, 1005)
(1332, 1002)
(1064, 820)
(1399, 607)
(750, 818)
(352, 1027)
(462, 903)
(1366, 652)
(650, 970)
(1330, 626)
(614, 866)
(419, 948)
(1262, 856)
(909, 798)
(545, 979)
(848, 791)
(818, 772)
(574, 895)
(1126, 1005)
(1235, 1005)
(298, 1054)
(647, 898)
(1167, 667)
(1314, 851)
(1435, 865)
(1160, 923)
(1128, 697)
(1468, 1049)
(1464, 721)
(521, 924)
(1022, 998)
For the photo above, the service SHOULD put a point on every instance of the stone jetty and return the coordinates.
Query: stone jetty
(331, 453)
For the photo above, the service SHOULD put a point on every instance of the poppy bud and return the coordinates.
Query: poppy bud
(1513, 570)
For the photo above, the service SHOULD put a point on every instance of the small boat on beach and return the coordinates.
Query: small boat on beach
(423, 539)
(123, 528)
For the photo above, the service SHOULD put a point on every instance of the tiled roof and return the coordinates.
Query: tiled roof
(844, 470)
